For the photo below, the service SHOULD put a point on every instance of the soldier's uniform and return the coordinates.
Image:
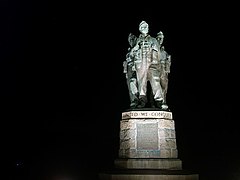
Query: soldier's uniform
(147, 65)
(131, 77)
(165, 60)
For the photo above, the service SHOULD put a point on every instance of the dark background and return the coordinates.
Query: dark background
(63, 89)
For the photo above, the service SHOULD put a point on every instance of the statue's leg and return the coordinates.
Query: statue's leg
(151, 98)
(142, 87)
(132, 87)
(164, 84)
(133, 91)
(154, 78)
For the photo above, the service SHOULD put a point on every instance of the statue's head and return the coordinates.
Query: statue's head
(160, 37)
(160, 34)
(143, 27)
(132, 39)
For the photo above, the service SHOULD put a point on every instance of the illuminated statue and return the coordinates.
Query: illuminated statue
(147, 65)
(147, 61)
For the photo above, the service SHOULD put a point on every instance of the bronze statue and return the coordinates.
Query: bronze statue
(147, 63)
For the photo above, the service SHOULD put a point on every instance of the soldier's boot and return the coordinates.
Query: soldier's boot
(164, 107)
(142, 102)
(159, 104)
(134, 104)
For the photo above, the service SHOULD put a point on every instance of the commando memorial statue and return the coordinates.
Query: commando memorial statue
(147, 138)
(147, 62)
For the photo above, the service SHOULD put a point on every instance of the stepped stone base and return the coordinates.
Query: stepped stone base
(145, 174)
(148, 148)
(171, 164)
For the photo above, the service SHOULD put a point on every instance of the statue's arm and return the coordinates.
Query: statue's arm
(168, 63)
(124, 66)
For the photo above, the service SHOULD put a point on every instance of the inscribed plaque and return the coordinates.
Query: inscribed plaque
(147, 136)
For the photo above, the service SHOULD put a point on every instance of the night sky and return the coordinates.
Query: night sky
(63, 89)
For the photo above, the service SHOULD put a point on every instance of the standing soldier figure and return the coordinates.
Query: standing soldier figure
(165, 60)
(129, 70)
(147, 63)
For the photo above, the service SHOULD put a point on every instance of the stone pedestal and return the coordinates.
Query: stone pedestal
(148, 148)
(147, 134)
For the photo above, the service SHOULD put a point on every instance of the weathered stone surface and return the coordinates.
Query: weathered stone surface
(163, 123)
(174, 153)
(127, 125)
(168, 143)
(167, 133)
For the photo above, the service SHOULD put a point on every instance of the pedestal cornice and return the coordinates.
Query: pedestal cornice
(146, 114)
